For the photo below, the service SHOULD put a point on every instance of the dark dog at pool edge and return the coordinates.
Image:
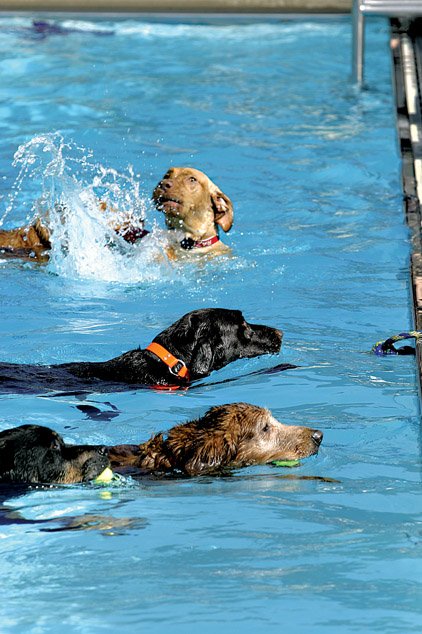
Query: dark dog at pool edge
(36, 454)
(200, 342)
(226, 437)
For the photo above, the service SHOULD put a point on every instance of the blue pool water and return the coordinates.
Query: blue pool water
(320, 250)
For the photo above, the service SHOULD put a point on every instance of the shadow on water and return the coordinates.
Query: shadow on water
(32, 379)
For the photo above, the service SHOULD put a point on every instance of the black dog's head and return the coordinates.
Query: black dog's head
(31, 454)
(210, 338)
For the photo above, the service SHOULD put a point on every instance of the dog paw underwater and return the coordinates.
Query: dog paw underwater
(227, 437)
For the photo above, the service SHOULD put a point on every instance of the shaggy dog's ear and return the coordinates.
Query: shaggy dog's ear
(223, 209)
(212, 454)
(42, 232)
(206, 445)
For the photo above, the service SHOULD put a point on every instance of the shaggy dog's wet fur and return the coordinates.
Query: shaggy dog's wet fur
(205, 340)
(226, 437)
(35, 454)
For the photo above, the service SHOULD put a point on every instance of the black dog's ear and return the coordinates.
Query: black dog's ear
(202, 361)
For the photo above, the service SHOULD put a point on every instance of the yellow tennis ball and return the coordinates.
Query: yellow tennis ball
(105, 476)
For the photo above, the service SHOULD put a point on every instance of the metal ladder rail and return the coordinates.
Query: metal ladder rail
(387, 8)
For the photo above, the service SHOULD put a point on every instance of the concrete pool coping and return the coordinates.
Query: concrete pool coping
(180, 6)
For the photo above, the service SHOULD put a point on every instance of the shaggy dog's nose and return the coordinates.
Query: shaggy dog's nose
(317, 437)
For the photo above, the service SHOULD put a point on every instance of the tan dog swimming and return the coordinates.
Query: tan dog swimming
(196, 208)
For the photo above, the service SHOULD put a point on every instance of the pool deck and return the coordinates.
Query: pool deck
(406, 47)
(179, 6)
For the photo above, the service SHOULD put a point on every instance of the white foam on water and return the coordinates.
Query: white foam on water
(231, 29)
(84, 242)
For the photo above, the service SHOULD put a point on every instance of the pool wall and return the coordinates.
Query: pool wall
(406, 45)
(182, 6)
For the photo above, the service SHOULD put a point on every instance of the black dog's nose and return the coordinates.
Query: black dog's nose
(317, 437)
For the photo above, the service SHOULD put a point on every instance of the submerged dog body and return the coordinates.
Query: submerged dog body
(226, 437)
(34, 241)
(36, 454)
(200, 342)
(195, 208)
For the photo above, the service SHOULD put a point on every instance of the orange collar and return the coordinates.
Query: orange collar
(175, 366)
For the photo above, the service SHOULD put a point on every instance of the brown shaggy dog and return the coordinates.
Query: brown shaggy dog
(226, 437)
(196, 207)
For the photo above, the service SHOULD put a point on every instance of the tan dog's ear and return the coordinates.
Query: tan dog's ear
(223, 209)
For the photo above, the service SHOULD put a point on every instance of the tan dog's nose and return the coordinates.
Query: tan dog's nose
(167, 183)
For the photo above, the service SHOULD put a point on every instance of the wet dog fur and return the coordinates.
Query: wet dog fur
(195, 209)
(205, 340)
(193, 206)
(32, 454)
(227, 437)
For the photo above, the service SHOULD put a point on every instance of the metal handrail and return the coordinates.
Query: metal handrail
(388, 8)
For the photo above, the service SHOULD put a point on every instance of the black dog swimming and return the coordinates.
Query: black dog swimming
(32, 454)
(190, 349)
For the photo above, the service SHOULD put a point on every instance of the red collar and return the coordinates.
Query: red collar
(189, 243)
(177, 367)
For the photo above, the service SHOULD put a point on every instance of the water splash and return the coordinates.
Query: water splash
(82, 203)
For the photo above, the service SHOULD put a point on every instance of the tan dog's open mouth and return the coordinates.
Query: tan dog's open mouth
(192, 203)
(168, 204)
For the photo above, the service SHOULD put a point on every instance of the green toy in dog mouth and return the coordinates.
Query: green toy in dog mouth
(285, 463)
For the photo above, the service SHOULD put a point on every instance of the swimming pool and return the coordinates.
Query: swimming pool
(320, 250)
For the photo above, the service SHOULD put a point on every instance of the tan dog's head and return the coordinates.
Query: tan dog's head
(192, 203)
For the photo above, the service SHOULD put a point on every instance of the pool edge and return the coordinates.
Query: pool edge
(407, 75)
